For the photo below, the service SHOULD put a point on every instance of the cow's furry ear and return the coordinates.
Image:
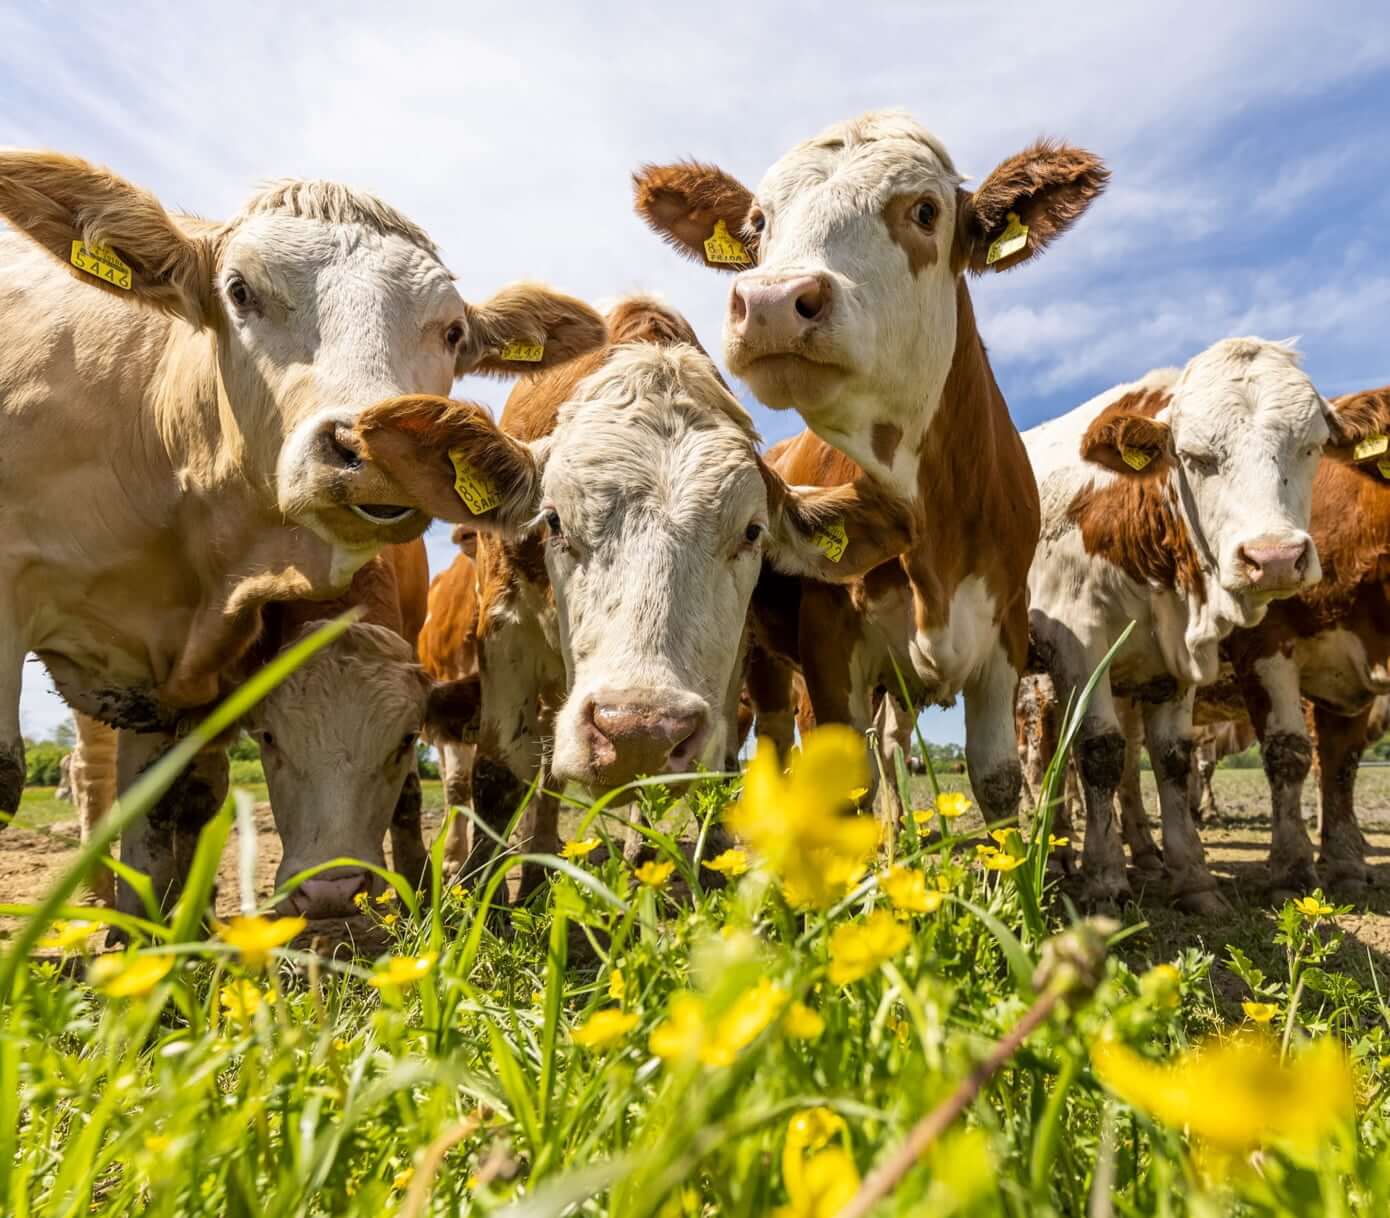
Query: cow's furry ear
(111, 234)
(1359, 422)
(1131, 444)
(700, 211)
(527, 327)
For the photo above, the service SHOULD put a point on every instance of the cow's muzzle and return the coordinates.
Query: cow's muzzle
(1275, 566)
(630, 733)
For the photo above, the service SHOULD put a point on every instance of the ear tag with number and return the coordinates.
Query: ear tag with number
(832, 540)
(478, 492)
(524, 353)
(1010, 241)
(102, 263)
(724, 247)
(1135, 458)
(1371, 446)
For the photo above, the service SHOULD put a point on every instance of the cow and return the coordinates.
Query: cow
(176, 449)
(1180, 502)
(850, 305)
(623, 514)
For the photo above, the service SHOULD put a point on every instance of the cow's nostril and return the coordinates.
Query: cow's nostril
(342, 447)
(810, 302)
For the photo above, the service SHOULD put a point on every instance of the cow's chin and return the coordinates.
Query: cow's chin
(786, 380)
(366, 525)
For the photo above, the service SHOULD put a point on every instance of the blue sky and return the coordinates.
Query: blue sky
(1248, 142)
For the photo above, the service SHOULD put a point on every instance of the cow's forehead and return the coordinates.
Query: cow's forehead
(1246, 383)
(290, 241)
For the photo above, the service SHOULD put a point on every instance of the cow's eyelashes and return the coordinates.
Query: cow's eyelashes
(1205, 463)
(752, 536)
(757, 221)
(551, 518)
(240, 294)
(454, 335)
(924, 212)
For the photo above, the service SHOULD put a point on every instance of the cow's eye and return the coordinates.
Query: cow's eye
(265, 740)
(407, 742)
(925, 213)
(552, 522)
(757, 221)
(753, 533)
(454, 334)
(240, 294)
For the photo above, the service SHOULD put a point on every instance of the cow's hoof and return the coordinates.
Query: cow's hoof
(1148, 864)
(1204, 902)
(1061, 864)
(1105, 898)
(1290, 883)
(1348, 880)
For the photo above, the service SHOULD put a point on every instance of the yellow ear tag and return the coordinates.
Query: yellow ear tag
(478, 492)
(1135, 458)
(524, 353)
(1383, 465)
(1371, 446)
(1010, 241)
(99, 261)
(723, 246)
(832, 540)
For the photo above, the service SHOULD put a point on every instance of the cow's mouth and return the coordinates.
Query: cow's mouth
(381, 513)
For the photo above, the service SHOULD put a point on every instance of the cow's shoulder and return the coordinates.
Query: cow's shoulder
(807, 460)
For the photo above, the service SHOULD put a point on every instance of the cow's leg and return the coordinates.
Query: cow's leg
(456, 768)
(1134, 818)
(12, 769)
(408, 853)
(772, 689)
(1340, 741)
(541, 828)
(1168, 729)
(892, 739)
(1272, 694)
(93, 776)
(991, 756)
(161, 844)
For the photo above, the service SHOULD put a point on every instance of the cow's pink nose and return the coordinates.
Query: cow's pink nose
(330, 895)
(777, 313)
(633, 737)
(1274, 566)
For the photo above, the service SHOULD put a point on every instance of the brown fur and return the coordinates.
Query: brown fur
(919, 244)
(681, 203)
(527, 313)
(1356, 417)
(1129, 422)
(448, 643)
(885, 439)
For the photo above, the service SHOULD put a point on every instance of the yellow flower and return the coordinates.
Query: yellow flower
(255, 937)
(617, 985)
(387, 896)
(1313, 907)
(732, 863)
(951, 804)
(1236, 1094)
(654, 874)
(389, 920)
(401, 971)
(856, 794)
(68, 936)
(158, 1143)
(1006, 838)
(579, 850)
(802, 1023)
(341, 1044)
(1002, 862)
(744, 1022)
(858, 948)
(907, 890)
(1160, 986)
(603, 1029)
(682, 1035)
(796, 821)
(241, 999)
(1259, 1012)
(984, 850)
(820, 1179)
(1056, 843)
(361, 900)
(128, 974)
(401, 1180)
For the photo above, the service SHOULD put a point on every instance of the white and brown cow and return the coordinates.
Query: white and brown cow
(1180, 502)
(850, 305)
(624, 516)
(176, 448)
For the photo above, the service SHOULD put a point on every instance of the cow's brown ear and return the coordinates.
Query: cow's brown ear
(699, 210)
(453, 710)
(525, 328)
(1025, 203)
(451, 461)
(834, 534)
(1130, 444)
(109, 233)
(1360, 426)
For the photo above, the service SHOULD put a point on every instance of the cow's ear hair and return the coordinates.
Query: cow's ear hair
(685, 203)
(1359, 422)
(453, 709)
(109, 233)
(1131, 444)
(1044, 189)
(525, 328)
(451, 461)
(834, 534)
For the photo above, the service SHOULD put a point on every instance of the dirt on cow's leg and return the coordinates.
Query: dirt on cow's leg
(540, 835)
(1287, 758)
(1341, 740)
(1101, 760)
(1144, 855)
(497, 794)
(12, 769)
(456, 764)
(11, 778)
(1204, 804)
(408, 853)
(991, 749)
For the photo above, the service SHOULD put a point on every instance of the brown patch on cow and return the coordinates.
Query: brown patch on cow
(918, 243)
(1129, 423)
(448, 644)
(1356, 417)
(563, 326)
(683, 202)
(885, 438)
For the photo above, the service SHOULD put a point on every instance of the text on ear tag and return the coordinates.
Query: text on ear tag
(1135, 458)
(723, 246)
(1010, 241)
(832, 540)
(524, 353)
(1371, 446)
(101, 262)
(478, 492)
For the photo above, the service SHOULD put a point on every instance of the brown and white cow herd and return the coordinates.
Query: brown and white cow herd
(213, 435)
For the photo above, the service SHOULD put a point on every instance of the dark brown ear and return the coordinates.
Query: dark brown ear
(834, 534)
(1130, 444)
(528, 328)
(1046, 187)
(687, 203)
(453, 462)
(110, 234)
(1360, 426)
(453, 710)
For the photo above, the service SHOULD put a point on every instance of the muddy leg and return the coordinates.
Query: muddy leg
(990, 752)
(772, 692)
(1134, 818)
(12, 769)
(456, 767)
(1277, 712)
(1341, 739)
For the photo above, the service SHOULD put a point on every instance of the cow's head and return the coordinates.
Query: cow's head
(656, 512)
(337, 741)
(849, 256)
(316, 301)
(1237, 437)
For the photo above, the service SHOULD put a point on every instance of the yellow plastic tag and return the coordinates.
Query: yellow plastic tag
(723, 246)
(1010, 241)
(1383, 465)
(524, 353)
(832, 540)
(99, 261)
(1371, 446)
(478, 492)
(1135, 458)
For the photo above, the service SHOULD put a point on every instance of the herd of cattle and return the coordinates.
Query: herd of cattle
(214, 435)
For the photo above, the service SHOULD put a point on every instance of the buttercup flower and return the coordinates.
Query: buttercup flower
(402, 971)
(855, 794)
(604, 1029)
(389, 920)
(744, 1022)
(579, 849)
(240, 1000)
(387, 896)
(1056, 843)
(1160, 986)
(654, 874)
(858, 948)
(999, 861)
(158, 1143)
(682, 1035)
(732, 863)
(361, 900)
(68, 936)
(802, 1023)
(128, 974)
(820, 1179)
(907, 890)
(1313, 907)
(617, 985)
(255, 937)
(1259, 1012)
(951, 804)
